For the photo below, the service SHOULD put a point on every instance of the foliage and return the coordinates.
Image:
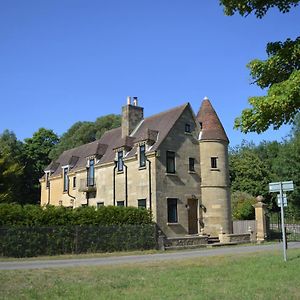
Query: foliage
(36, 158)
(248, 172)
(85, 132)
(33, 215)
(242, 206)
(11, 167)
(34, 241)
(280, 73)
(260, 7)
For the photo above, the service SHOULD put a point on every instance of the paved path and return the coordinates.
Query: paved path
(118, 260)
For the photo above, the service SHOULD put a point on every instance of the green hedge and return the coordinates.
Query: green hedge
(33, 241)
(33, 215)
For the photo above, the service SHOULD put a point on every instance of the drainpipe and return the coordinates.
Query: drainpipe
(68, 190)
(126, 186)
(114, 183)
(150, 183)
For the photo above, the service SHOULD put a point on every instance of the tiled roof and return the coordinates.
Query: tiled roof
(212, 128)
(154, 129)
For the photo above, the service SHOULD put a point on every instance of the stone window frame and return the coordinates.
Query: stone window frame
(172, 210)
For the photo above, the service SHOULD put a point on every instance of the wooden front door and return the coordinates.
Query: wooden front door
(193, 215)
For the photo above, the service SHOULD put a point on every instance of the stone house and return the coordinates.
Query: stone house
(174, 163)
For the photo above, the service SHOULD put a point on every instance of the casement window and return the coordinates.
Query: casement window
(120, 203)
(66, 179)
(214, 162)
(141, 203)
(142, 156)
(192, 164)
(74, 182)
(91, 173)
(47, 174)
(99, 204)
(188, 128)
(170, 158)
(120, 161)
(172, 210)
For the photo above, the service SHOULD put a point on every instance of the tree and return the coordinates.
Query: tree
(85, 132)
(260, 7)
(242, 206)
(248, 173)
(36, 158)
(279, 73)
(11, 168)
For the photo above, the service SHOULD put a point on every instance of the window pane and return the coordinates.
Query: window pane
(188, 128)
(99, 204)
(170, 162)
(65, 179)
(191, 164)
(120, 203)
(214, 164)
(141, 203)
(91, 173)
(172, 210)
(74, 182)
(142, 156)
(120, 161)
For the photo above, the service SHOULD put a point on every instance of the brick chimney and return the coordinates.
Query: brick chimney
(132, 115)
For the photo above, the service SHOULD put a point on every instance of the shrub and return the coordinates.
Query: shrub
(242, 206)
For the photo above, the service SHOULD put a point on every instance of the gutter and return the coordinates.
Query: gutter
(114, 184)
(150, 183)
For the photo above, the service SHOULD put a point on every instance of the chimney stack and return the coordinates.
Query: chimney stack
(132, 115)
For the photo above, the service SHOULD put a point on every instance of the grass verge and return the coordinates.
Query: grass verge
(252, 276)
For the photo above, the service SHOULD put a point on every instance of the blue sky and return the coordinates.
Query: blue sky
(63, 61)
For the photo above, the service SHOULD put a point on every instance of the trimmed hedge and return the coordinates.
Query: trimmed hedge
(34, 241)
(33, 215)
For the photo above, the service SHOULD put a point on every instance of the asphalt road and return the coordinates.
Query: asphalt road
(132, 259)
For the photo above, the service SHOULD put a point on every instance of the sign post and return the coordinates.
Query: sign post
(275, 187)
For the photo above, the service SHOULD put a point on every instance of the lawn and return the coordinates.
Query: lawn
(252, 276)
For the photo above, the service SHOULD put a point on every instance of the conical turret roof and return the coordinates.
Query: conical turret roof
(212, 128)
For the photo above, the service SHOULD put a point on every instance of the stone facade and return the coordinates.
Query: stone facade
(174, 163)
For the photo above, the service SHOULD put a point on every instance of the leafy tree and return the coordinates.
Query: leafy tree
(248, 173)
(279, 73)
(259, 7)
(242, 206)
(85, 132)
(36, 158)
(11, 168)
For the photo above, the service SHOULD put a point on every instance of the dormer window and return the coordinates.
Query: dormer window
(120, 161)
(188, 128)
(91, 172)
(66, 178)
(142, 155)
(47, 175)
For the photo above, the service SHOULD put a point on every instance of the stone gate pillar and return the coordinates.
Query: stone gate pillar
(260, 218)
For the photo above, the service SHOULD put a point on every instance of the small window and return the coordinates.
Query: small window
(192, 164)
(66, 179)
(201, 126)
(91, 173)
(99, 204)
(120, 161)
(170, 162)
(47, 180)
(120, 203)
(172, 210)
(60, 202)
(141, 203)
(214, 162)
(142, 156)
(74, 182)
(188, 128)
